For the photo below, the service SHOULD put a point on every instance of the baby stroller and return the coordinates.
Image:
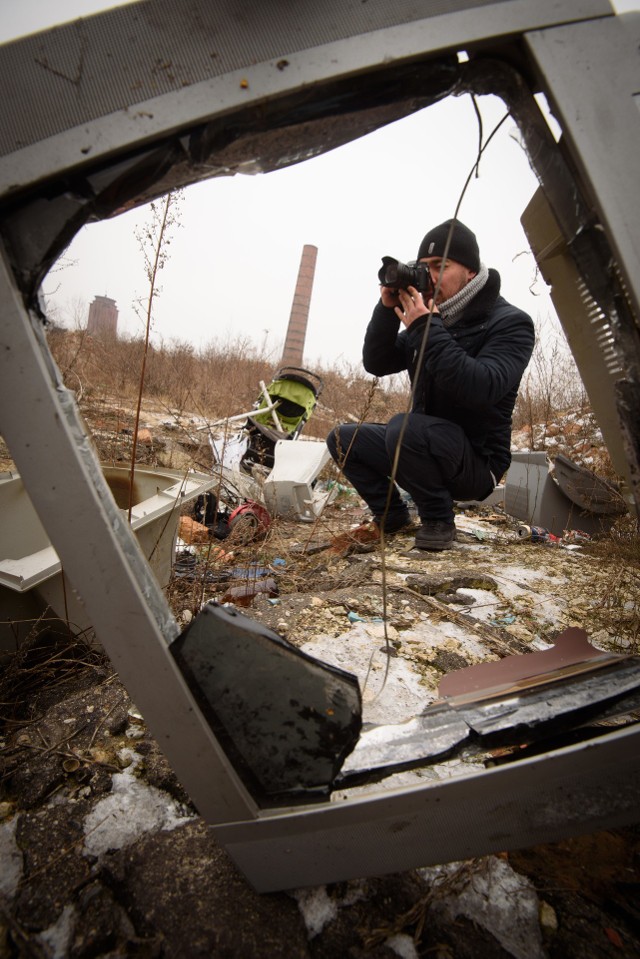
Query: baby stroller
(281, 413)
(278, 415)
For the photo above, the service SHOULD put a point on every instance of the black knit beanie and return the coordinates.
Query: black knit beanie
(463, 247)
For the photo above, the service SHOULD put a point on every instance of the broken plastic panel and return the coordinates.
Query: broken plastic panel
(520, 718)
(586, 489)
(532, 494)
(604, 345)
(571, 650)
(286, 720)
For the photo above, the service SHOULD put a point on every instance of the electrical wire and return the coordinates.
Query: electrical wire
(419, 362)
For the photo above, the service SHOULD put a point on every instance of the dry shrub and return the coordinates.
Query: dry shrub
(550, 385)
(219, 381)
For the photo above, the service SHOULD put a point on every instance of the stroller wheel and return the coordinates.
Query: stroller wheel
(248, 522)
(244, 527)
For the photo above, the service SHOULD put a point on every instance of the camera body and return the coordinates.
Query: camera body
(400, 276)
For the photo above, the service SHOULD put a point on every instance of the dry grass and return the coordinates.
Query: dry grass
(620, 600)
(220, 381)
(49, 664)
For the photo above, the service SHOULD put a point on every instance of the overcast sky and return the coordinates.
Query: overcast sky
(234, 261)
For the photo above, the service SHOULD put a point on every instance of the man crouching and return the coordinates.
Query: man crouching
(456, 441)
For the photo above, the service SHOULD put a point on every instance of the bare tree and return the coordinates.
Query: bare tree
(154, 240)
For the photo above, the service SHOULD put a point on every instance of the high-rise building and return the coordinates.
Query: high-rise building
(297, 330)
(103, 317)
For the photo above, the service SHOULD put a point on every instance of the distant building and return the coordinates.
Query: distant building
(103, 317)
(297, 331)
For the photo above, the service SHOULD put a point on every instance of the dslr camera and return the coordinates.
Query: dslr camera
(400, 276)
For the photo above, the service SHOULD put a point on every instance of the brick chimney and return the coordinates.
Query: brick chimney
(293, 351)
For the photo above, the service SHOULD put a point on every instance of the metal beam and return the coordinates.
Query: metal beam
(100, 557)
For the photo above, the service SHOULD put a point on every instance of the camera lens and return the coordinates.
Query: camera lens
(391, 276)
(399, 275)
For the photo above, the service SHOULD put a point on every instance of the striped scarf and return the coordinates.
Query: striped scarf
(451, 310)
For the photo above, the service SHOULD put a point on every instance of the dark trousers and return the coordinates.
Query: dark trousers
(436, 465)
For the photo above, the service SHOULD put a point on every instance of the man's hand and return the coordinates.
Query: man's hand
(412, 306)
(389, 297)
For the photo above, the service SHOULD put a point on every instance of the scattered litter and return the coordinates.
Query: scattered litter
(475, 528)
(339, 487)
(503, 620)
(571, 539)
(262, 445)
(184, 563)
(188, 566)
(249, 572)
(219, 554)
(244, 595)
(575, 536)
(479, 534)
(251, 520)
(360, 539)
(536, 534)
(356, 618)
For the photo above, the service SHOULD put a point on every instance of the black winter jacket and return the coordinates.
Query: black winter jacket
(471, 371)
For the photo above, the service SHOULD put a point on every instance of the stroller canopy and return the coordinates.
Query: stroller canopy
(296, 393)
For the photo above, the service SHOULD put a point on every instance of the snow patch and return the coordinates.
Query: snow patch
(317, 909)
(495, 897)
(403, 946)
(131, 809)
(10, 857)
(392, 690)
(57, 937)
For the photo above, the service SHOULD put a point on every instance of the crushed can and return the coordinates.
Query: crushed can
(537, 534)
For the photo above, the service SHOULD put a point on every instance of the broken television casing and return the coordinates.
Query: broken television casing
(91, 128)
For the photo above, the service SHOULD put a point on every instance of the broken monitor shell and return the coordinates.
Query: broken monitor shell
(90, 128)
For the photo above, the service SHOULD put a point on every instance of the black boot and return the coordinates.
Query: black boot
(435, 535)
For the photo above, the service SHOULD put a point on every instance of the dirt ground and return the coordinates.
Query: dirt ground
(103, 853)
